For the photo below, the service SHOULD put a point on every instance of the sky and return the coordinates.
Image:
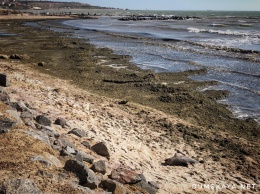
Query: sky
(230, 5)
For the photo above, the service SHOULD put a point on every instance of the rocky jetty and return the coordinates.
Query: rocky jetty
(156, 17)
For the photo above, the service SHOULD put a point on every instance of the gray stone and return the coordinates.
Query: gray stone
(86, 144)
(42, 160)
(26, 114)
(99, 166)
(150, 187)
(78, 132)
(63, 141)
(20, 186)
(113, 186)
(101, 149)
(86, 176)
(19, 56)
(43, 120)
(60, 121)
(19, 106)
(6, 125)
(86, 157)
(38, 135)
(4, 80)
(50, 131)
(15, 115)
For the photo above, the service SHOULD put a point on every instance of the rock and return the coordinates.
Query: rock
(112, 186)
(19, 106)
(150, 187)
(122, 102)
(87, 158)
(20, 186)
(68, 151)
(14, 114)
(60, 121)
(4, 97)
(78, 132)
(41, 64)
(38, 135)
(101, 149)
(43, 120)
(4, 80)
(83, 190)
(55, 161)
(18, 56)
(86, 144)
(6, 125)
(26, 114)
(86, 176)
(63, 141)
(179, 160)
(99, 166)
(41, 160)
(50, 131)
(125, 175)
(4, 57)
(79, 157)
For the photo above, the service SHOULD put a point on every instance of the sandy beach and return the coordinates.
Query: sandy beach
(143, 117)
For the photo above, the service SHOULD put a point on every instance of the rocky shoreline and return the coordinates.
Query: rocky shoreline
(139, 138)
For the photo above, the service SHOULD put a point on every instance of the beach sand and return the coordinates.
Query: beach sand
(76, 82)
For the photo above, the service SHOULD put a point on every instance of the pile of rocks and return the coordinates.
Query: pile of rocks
(89, 168)
(156, 17)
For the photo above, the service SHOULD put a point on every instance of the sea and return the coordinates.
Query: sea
(225, 43)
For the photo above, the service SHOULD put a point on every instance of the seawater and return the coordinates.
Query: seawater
(227, 44)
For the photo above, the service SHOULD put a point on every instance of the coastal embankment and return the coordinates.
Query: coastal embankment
(65, 96)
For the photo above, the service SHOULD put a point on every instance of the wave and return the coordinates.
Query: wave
(224, 32)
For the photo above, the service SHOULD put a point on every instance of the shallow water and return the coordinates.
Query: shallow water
(228, 46)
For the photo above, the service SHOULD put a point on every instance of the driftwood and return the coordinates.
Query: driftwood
(179, 160)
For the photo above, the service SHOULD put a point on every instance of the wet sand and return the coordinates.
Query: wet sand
(201, 123)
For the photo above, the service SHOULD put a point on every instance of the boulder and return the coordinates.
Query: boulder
(101, 149)
(125, 175)
(99, 166)
(43, 120)
(68, 151)
(78, 132)
(113, 186)
(60, 121)
(63, 142)
(86, 176)
(86, 157)
(20, 186)
(149, 187)
(4, 80)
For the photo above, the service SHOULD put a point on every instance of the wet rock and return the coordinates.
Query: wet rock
(99, 166)
(78, 132)
(86, 176)
(6, 125)
(20, 186)
(101, 149)
(112, 186)
(4, 80)
(43, 120)
(179, 160)
(125, 175)
(86, 144)
(60, 121)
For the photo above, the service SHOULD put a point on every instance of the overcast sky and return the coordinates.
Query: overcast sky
(239, 5)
